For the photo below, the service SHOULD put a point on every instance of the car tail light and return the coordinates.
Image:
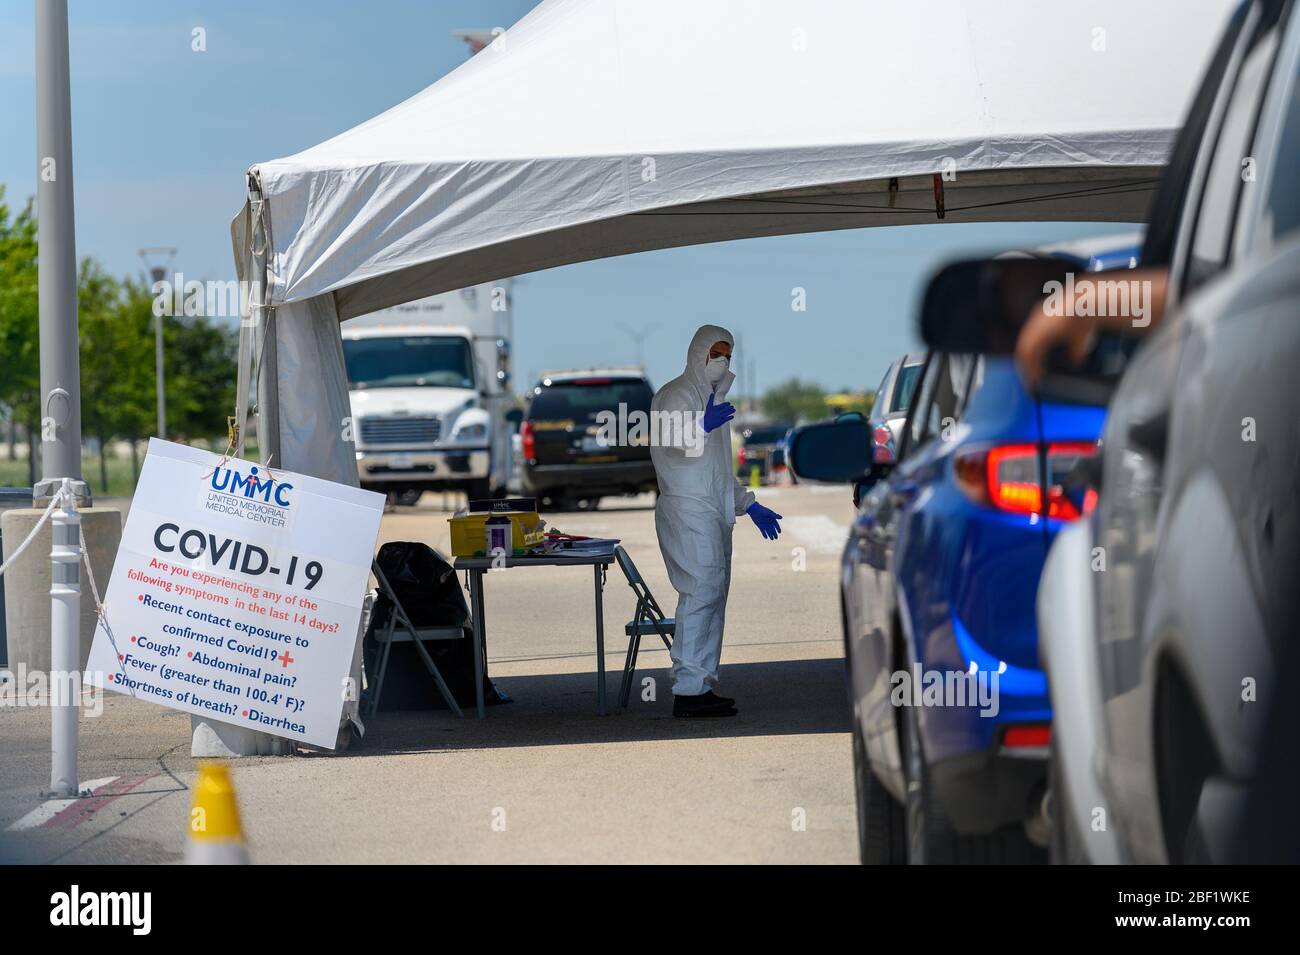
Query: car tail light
(528, 441)
(1006, 476)
(1033, 734)
(882, 452)
(740, 456)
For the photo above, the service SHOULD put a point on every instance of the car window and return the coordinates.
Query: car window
(1231, 160)
(914, 428)
(583, 401)
(945, 379)
(905, 387)
(945, 401)
(964, 368)
(389, 361)
(976, 381)
(1280, 215)
(1171, 196)
(879, 406)
(768, 435)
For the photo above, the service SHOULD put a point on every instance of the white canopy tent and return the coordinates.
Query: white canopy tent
(595, 128)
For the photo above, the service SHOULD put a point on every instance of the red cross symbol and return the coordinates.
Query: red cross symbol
(286, 659)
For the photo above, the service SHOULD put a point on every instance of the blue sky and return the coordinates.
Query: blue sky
(162, 136)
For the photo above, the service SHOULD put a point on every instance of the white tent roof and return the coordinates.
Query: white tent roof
(602, 127)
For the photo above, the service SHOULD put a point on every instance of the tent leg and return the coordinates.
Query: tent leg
(209, 737)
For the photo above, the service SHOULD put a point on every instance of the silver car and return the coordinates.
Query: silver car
(1166, 618)
(1162, 620)
(889, 411)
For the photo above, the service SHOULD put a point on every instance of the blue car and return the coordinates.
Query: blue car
(952, 720)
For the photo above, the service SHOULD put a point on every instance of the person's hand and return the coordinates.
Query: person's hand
(717, 415)
(766, 520)
(1073, 335)
(1042, 334)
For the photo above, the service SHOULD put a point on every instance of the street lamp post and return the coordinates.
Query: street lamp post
(639, 335)
(158, 274)
(60, 382)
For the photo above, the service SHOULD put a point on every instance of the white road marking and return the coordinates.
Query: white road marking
(52, 807)
(818, 532)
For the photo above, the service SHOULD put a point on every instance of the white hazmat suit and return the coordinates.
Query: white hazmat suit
(699, 500)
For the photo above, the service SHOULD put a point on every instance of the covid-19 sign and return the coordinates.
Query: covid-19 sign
(237, 593)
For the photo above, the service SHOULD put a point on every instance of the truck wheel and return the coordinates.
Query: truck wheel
(479, 489)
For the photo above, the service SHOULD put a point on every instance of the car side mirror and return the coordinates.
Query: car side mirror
(836, 452)
(979, 307)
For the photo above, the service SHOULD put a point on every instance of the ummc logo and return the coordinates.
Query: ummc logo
(270, 491)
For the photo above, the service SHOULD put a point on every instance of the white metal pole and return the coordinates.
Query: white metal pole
(60, 382)
(65, 643)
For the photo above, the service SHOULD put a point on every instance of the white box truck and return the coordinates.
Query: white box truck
(430, 387)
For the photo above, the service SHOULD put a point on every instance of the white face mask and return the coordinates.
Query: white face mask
(715, 369)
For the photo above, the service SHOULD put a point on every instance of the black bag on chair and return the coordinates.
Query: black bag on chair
(431, 595)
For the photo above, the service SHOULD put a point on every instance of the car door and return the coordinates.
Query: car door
(870, 613)
(874, 539)
(1137, 484)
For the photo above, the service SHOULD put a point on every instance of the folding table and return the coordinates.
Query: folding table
(476, 567)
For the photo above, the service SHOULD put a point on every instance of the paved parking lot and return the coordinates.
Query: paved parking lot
(542, 779)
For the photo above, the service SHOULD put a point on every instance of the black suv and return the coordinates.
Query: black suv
(586, 436)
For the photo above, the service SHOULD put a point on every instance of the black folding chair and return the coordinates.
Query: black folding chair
(649, 619)
(389, 635)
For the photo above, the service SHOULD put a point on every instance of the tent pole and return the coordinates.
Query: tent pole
(209, 737)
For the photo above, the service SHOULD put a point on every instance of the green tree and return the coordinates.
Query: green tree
(117, 369)
(20, 375)
(116, 331)
(201, 362)
(795, 400)
(116, 360)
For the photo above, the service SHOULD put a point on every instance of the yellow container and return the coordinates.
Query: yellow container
(469, 533)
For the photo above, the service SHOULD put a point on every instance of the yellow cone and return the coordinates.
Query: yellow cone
(216, 835)
(754, 479)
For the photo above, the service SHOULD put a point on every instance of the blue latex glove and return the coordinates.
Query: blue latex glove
(717, 415)
(766, 519)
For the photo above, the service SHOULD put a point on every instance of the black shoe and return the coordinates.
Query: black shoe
(703, 705)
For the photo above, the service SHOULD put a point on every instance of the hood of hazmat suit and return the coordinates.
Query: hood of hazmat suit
(693, 467)
(699, 499)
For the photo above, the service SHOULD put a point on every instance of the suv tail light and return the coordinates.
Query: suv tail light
(528, 441)
(882, 451)
(1006, 477)
(740, 456)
